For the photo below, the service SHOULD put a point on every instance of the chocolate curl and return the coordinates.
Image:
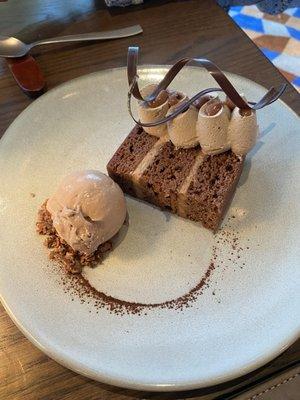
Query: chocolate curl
(225, 86)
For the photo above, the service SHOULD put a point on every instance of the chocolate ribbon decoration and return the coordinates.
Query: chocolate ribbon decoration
(224, 83)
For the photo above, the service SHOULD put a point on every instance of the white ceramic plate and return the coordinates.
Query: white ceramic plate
(245, 318)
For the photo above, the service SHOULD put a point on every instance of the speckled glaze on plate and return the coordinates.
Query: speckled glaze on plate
(247, 315)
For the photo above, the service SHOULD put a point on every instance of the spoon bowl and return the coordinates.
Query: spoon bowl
(12, 47)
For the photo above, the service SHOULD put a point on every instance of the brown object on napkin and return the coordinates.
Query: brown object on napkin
(285, 386)
(28, 75)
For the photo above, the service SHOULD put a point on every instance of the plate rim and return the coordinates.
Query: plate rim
(79, 368)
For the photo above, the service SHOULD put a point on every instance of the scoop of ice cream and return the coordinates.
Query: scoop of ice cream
(242, 131)
(182, 129)
(212, 127)
(157, 109)
(87, 209)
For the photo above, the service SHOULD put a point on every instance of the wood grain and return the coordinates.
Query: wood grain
(172, 29)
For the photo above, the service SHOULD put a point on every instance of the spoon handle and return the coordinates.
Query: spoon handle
(28, 75)
(105, 35)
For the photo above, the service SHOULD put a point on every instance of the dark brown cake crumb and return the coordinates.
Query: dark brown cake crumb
(60, 251)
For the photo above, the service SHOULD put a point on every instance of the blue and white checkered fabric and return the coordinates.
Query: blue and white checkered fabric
(277, 36)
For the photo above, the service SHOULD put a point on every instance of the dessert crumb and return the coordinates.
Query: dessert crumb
(32, 194)
(60, 251)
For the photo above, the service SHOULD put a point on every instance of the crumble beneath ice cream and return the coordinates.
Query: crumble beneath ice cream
(60, 251)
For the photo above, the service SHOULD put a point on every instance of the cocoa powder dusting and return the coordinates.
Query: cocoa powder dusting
(161, 98)
(212, 108)
(201, 101)
(174, 98)
(76, 285)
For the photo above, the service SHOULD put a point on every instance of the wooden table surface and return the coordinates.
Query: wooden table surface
(172, 29)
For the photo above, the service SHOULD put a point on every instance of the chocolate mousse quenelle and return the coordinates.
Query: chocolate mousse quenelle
(214, 124)
(186, 154)
(86, 211)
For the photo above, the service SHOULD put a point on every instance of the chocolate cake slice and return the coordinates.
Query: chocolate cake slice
(184, 181)
(186, 154)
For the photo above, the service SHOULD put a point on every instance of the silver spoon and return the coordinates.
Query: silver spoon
(13, 47)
